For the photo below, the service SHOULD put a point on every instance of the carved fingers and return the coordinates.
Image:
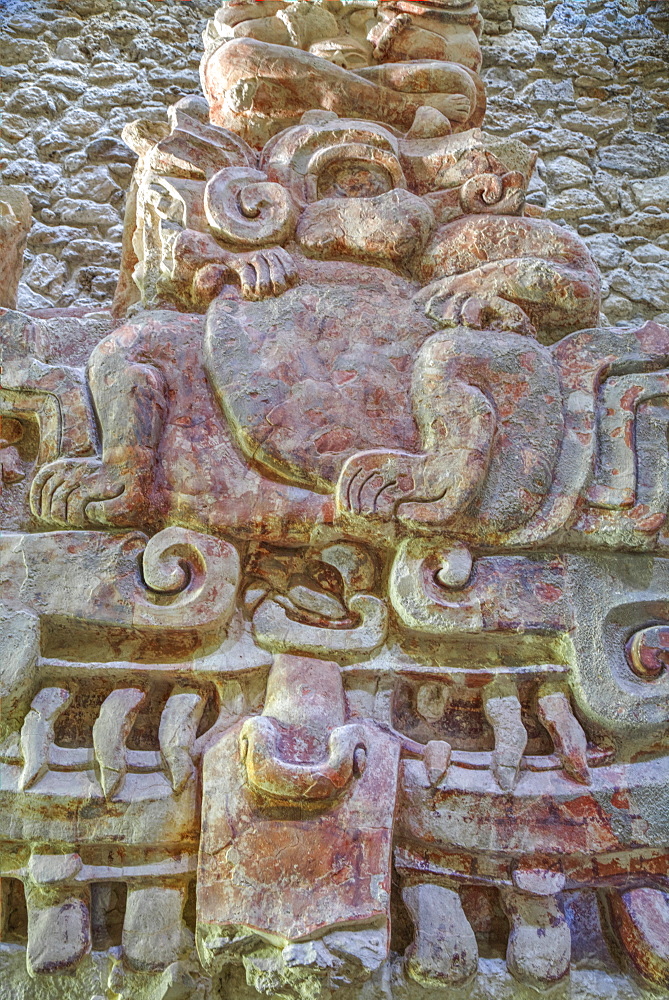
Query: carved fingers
(373, 482)
(78, 492)
(481, 311)
(264, 273)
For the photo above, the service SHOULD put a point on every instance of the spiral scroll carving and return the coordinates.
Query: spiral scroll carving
(246, 209)
(493, 194)
(191, 579)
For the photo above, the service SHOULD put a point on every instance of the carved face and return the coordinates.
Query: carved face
(347, 177)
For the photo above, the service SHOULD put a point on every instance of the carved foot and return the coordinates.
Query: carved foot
(566, 733)
(78, 493)
(444, 953)
(455, 107)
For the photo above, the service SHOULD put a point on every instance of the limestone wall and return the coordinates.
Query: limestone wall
(584, 82)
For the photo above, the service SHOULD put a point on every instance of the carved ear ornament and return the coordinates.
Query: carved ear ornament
(244, 208)
(491, 193)
(648, 652)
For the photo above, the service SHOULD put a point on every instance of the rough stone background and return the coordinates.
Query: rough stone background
(583, 82)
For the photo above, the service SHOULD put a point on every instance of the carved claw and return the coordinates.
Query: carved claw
(110, 732)
(59, 927)
(79, 492)
(502, 710)
(567, 734)
(37, 734)
(372, 483)
(177, 733)
(153, 929)
(261, 274)
(264, 273)
(450, 305)
(437, 758)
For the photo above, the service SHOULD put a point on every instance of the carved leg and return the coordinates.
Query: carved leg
(539, 947)
(119, 491)
(444, 953)
(641, 920)
(502, 710)
(455, 93)
(153, 929)
(489, 411)
(59, 924)
(246, 80)
(457, 424)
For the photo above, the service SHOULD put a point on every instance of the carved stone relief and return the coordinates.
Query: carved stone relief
(334, 599)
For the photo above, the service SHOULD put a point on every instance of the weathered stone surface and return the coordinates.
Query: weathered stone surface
(333, 565)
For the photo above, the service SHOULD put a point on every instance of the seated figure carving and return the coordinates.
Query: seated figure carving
(413, 421)
(382, 61)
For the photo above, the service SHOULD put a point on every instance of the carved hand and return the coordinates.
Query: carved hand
(261, 274)
(76, 493)
(451, 302)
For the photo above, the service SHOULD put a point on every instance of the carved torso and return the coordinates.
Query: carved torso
(333, 587)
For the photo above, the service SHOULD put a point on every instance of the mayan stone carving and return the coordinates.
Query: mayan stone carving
(334, 587)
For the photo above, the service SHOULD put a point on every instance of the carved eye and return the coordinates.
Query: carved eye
(352, 170)
(648, 652)
(354, 179)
